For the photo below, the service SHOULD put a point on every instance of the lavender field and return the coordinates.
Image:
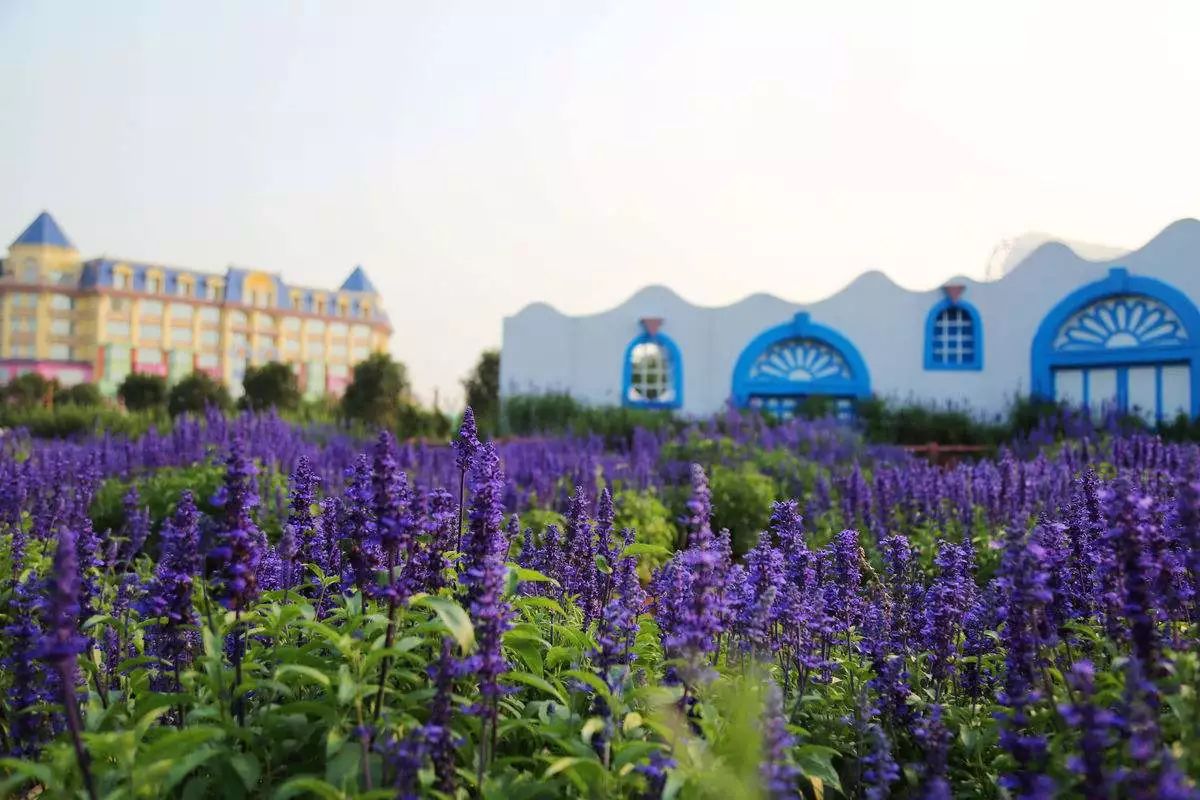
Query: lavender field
(247, 608)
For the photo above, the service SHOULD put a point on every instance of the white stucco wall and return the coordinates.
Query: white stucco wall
(544, 350)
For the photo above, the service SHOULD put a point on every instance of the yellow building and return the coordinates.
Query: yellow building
(99, 320)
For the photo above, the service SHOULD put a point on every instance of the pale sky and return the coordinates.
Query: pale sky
(476, 157)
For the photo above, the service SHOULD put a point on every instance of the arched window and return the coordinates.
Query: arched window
(953, 334)
(1124, 343)
(653, 370)
(784, 366)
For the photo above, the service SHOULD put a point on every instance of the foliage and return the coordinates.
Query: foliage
(558, 414)
(413, 421)
(270, 385)
(378, 392)
(71, 420)
(1019, 627)
(482, 390)
(646, 513)
(81, 394)
(741, 498)
(140, 391)
(28, 390)
(196, 393)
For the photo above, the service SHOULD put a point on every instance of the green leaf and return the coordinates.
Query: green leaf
(632, 752)
(306, 785)
(590, 728)
(454, 618)
(525, 575)
(177, 743)
(312, 673)
(342, 769)
(645, 549)
(571, 762)
(593, 681)
(602, 565)
(247, 768)
(186, 765)
(816, 761)
(347, 688)
(537, 601)
(529, 679)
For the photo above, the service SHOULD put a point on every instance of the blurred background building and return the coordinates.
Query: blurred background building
(99, 319)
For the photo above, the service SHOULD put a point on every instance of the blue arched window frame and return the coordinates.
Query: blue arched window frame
(1044, 359)
(976, 363)
(801, 327)
(676, 364)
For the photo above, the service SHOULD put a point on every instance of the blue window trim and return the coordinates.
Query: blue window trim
(676, 358)
(1044, 359)
(975, 363)
(802, 327)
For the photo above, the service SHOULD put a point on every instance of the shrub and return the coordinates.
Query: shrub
(195, 393)
(556, 413)
(141, 392)
(413, 421)
(742, 498)
(482, 388)
(29, 390)
(160, 490)
(272, 385)
(377, 392)
(649, 517)
(81, 394)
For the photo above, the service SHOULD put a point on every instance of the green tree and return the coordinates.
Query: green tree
(29, 390)
(272, 385)
(81, 394)
(377, 391)
(141, 392)
(197, 392)
(482, 388)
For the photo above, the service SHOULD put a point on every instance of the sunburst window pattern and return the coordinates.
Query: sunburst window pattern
(1119, 322)
(651, 374)
(954, 340)
(800, 361)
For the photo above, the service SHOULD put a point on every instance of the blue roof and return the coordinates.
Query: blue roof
(358, 282)
(44, 230)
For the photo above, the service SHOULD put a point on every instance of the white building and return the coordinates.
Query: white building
(1123, 333)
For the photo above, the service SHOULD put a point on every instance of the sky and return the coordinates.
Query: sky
(477, 157)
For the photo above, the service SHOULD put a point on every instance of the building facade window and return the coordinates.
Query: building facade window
(210, 336)
(60, 327)
(60, 352)
(118, 328)
(1123, 344)
(180, 335)
(953, 337)
(152, 333)
(182, 312)
(790, 365)
(152, 309)
(210, 314)
(61, 302)
(653, 370)
(153, 284)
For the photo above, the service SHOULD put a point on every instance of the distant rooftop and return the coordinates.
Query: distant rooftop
(44, 231)
(358, 282)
